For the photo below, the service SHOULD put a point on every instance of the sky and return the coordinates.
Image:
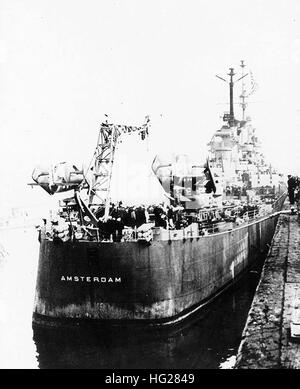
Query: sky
(65, 64)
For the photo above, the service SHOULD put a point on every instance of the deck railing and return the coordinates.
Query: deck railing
(194, 230)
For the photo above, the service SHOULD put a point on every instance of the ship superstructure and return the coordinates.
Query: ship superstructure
(235, 150)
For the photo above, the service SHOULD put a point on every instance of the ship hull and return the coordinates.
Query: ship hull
(132, 282)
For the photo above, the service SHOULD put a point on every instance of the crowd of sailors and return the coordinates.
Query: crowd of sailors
(126, 223)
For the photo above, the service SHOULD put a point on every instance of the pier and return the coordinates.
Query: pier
(266, 341)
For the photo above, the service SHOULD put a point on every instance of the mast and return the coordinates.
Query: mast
(231, 112)
(243, 95)
(230, 117)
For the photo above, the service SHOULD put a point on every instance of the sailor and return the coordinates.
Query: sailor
(160, 217)
(178, 217)
(111, 229)
(297, 192)
(132, 211)
(127, 217)
(113, 210)
(228, 191)
(157, 212)
(170, 214)
(102, 228)
(120, 217)
(209, 186)
(147, 215)
(39, 228)
(140, 216)
(291, 182)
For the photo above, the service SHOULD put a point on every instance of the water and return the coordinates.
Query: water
(209, 341)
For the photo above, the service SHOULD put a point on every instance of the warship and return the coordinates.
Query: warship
(102, 263)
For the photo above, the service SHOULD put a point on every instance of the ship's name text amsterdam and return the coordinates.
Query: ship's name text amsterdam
(102, 279)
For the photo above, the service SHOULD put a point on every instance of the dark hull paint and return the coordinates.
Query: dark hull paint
(161, 283)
